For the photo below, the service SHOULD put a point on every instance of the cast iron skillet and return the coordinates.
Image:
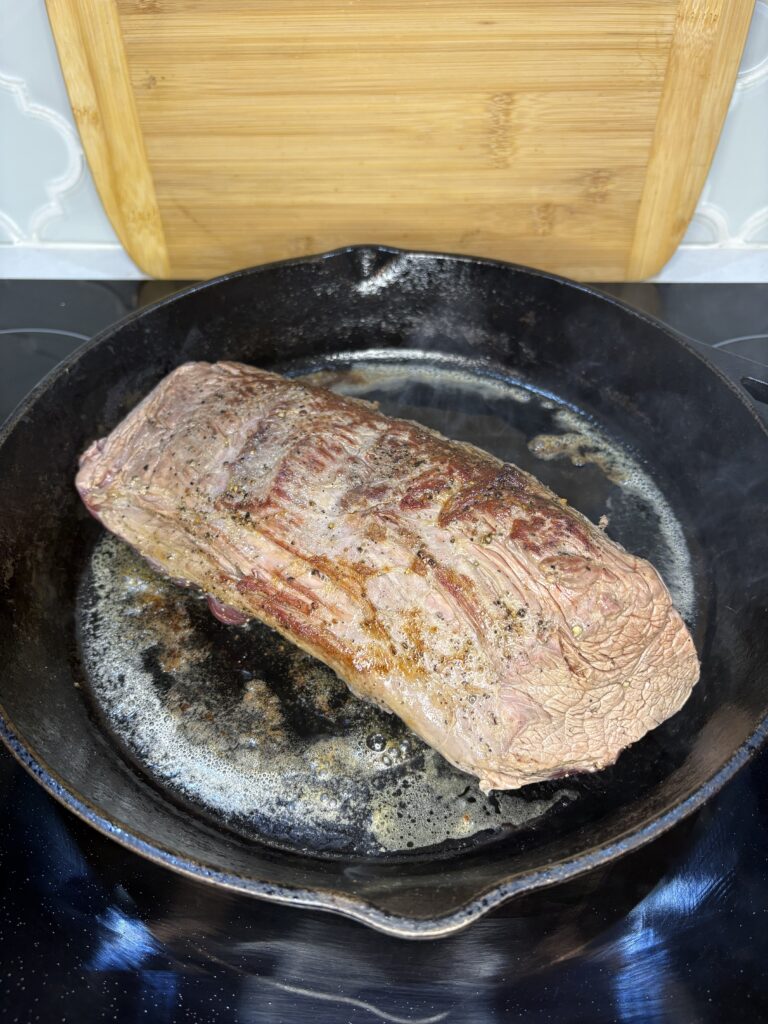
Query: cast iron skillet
(451, 328)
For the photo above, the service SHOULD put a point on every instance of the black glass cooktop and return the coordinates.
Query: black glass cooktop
(677, 932)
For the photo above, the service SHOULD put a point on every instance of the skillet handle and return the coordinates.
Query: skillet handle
(758, 389)
(747, 374)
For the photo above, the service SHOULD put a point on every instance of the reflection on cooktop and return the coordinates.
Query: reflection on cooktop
(91, 932)
(665, 934)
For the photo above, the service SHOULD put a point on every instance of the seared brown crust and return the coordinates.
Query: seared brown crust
(456, 590)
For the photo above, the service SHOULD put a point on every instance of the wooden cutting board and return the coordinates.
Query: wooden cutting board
(573, 135)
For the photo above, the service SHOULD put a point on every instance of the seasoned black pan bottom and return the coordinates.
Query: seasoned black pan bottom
(258, 737)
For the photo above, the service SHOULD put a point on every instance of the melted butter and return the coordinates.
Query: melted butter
(234, 747)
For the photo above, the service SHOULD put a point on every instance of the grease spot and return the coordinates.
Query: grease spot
(258, 734)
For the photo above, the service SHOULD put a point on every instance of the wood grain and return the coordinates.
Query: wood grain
(529, 130)
(704, 57)
(95, 69)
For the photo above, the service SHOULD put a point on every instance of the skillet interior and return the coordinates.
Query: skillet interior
(649, 393)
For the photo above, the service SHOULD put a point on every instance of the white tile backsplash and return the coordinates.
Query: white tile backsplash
(46, 189)
(733, 208)
(45, 141)
(52, 222)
